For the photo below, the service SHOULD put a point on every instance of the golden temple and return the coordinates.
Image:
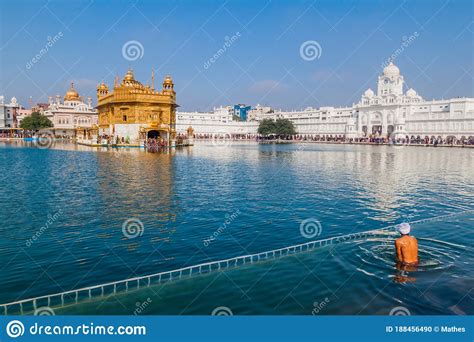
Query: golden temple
(134, 112)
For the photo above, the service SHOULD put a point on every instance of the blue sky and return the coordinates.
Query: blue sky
(262, 65)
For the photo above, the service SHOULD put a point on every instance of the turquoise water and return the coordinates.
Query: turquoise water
(264, 193)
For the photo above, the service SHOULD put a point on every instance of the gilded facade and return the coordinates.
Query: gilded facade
(133, 112)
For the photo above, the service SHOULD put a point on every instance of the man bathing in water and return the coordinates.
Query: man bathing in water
(406, 246)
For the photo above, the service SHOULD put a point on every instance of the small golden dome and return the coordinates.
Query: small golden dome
(168, 79)
(129, 81)
(129, 75)
(71, 94)
(102, 86)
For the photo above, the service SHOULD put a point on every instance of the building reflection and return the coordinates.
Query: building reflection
(136, 185)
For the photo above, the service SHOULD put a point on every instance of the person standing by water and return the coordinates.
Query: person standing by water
(406, 246)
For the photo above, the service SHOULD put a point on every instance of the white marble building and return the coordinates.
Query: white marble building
(389, 113)
(220, 114)
(8, 113)
(71, 114)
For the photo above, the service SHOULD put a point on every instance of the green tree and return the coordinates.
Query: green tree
(281, 127)
(285, 127)
(35, 122)
(266, 127)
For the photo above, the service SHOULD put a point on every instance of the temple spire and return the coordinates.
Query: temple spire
(153, 79)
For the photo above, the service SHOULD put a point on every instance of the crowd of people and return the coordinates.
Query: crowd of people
(32, 134)
(159, 142)
(372, 139)
(155, 144)
(226, 136)
(15, 134)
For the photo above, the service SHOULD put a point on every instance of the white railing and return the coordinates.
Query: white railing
(75, 296)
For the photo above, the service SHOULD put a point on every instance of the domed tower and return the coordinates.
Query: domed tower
(390, 82)
(168, 85)
(72, 94)
(369, 93)
(102, 90)
(129, 81)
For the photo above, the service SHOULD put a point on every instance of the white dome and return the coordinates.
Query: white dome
(369, 93)
(411, 92)
(391, 70)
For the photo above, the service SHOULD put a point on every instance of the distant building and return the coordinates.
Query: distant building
(40, 108)
(8, 113)
(219, 121)
(218, 115)
(22, 113)
(241, 111)
(389, 113)
(72, 115)
(258, 113)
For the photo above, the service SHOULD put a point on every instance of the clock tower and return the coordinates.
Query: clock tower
(391, 82)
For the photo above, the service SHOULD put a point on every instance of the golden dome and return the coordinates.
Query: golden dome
(71, 94)
(129, 80)
(129, 75)
(168, 79)
(102, 86)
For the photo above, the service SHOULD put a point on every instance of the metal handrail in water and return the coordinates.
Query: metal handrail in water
(206, 267)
